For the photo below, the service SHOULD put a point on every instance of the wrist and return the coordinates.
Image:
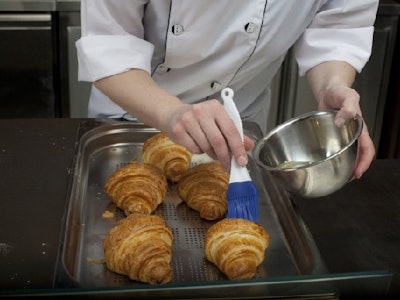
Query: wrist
(329, 76)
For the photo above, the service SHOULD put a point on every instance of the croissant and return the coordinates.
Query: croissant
(236, 246)
(137, 187)
(140, 246)
(203, 187)
(171, 158)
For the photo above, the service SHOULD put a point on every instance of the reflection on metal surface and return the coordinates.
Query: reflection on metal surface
(293, 164)
(25, 17)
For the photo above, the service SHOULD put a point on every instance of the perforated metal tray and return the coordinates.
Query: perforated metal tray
(106, 147)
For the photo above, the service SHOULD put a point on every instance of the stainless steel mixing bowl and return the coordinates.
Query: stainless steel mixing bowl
(309, 155)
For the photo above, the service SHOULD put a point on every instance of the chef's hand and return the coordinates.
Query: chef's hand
(202, 128)
(331, 83)
(347, 101)
(205, 127)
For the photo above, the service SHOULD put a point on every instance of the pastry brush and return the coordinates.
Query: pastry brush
(242, 194)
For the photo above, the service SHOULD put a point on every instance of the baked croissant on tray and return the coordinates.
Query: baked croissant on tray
(236, 246)
(203, 188)
(137, 187)
(140, 246)
(172, 159)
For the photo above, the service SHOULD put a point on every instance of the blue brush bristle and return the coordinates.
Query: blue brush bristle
(243, 200)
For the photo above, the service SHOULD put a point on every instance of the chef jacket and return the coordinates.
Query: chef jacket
(193, 48)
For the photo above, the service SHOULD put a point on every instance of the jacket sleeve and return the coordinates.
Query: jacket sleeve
(112, 39)
(341, 30)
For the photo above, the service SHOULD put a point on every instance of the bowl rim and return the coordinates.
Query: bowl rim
(260, 143)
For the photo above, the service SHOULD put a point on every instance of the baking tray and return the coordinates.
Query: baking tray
(107, 146)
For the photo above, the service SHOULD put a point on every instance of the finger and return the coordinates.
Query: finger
(189, 143)
(188, 131)
(218, 146)
(345, 99)
(201, 139)
(344, 115)
(248, 143)
(366, 153)
(181, 135)
(222, 135)
(235, 142)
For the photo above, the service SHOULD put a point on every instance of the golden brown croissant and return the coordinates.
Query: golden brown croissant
(137, 187)
(236, 246)
(171, 158)
(140, 246)
(203, 188)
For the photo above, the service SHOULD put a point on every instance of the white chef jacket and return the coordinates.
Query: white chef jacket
(193, 48)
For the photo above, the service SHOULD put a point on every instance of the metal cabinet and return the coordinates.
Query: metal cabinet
(74, 94)
(28, 85)
(38, 69)
(390, 138)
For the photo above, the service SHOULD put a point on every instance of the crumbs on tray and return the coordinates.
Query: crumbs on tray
(108, 214)
(97, 261)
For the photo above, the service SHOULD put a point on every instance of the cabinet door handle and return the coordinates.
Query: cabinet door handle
(25, 17)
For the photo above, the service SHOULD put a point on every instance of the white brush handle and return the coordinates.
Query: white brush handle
(238, 173)
(231, 109)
